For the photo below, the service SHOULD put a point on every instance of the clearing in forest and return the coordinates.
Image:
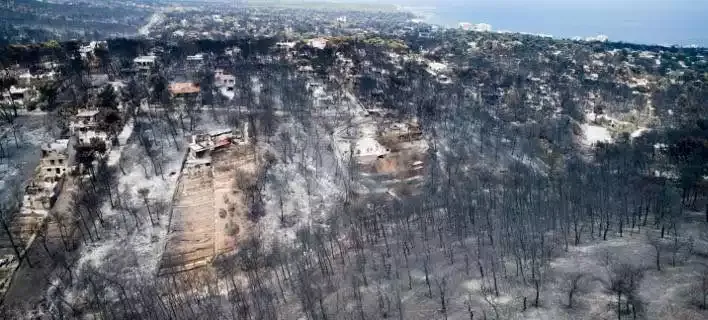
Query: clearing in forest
(209, 209)
(400, 170)
(234, 170)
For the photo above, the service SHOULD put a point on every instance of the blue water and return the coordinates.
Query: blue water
(669, 22)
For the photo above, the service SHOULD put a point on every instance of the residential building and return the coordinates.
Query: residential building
(47, 182)
(478, 27)
(319, 43)
(86, 136)
(18, 96)
(86, 51)
(54, 161)
(224, 80)
(184, 90)
(286, 45)
(85, 127)
(85, 120)
(199, 57)
(145, 63)
(202, 144)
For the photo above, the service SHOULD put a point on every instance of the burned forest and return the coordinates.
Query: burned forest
(349, 163)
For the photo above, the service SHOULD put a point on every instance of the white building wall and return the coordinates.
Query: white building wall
(88, 135)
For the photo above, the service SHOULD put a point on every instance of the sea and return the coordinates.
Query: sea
(662, 22)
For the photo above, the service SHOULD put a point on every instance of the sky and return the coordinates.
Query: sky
(682, 22)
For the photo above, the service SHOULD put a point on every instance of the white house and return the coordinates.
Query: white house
(53, 163)
(202, 144)
(194, 62)
(87, 49)
(197, 57)
(83, 121)
(224, 80)
(86, 136)
(46, 183)
(319, 43)
(17, 95)
(286, 45)
(145, 63)
(85, 127)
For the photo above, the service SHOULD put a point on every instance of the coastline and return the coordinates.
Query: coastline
(424, 13)
(529, 21)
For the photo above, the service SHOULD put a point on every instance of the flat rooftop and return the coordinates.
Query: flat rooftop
(87, 113)
(145, 59)
(184, 88)
(16, 90)
(59, 145)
